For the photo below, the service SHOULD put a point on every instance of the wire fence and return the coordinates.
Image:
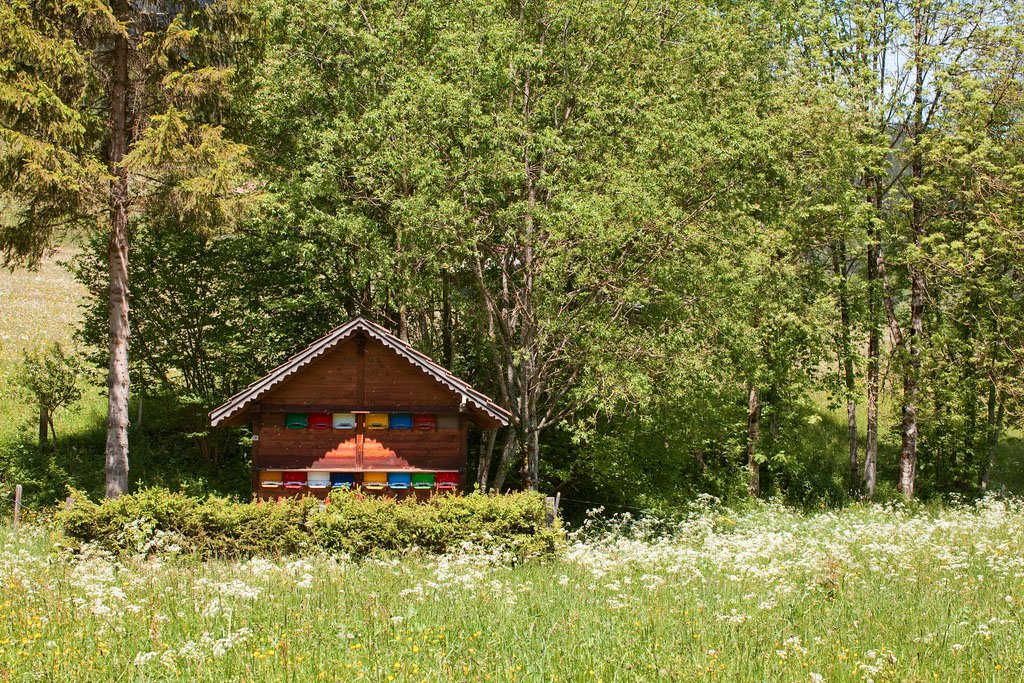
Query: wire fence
(600, 514)
(598, 504)
(18, 511)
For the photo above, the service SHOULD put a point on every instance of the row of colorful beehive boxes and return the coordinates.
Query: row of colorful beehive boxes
(322, 479)
(373, 421)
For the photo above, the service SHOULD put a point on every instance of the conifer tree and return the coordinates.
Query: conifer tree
(110, 112)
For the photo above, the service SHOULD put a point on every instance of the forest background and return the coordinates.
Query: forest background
(738, 248)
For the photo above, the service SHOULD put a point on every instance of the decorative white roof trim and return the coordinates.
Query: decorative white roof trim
(321, 346)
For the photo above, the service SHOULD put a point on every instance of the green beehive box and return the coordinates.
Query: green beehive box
(423, 480)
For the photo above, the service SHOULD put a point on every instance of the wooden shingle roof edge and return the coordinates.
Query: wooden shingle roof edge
(314, 351)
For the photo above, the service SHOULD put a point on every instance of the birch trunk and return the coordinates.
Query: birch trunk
(507, 449)
(483, 468)
(912, 373)
(533, 459)
(873, 368)
(846, 363)
(753, 436)
(996, 405)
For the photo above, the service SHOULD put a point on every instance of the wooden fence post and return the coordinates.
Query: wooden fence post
(551, 508)
(69, 502)
(17, 505)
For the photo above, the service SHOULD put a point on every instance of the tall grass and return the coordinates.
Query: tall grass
(867, 593)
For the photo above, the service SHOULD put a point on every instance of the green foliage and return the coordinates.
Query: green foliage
(359, 525)
(238, 299)
(664, 461)
(165, 455)
(55, 64)
(155, 519)
(615, 219)
(51, 375)
(49, 174)
(682, 458)
(112, 105)
(593, 211)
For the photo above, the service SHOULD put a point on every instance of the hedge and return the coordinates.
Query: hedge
(157, 520)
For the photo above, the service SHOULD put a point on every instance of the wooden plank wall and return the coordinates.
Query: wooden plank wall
(328, 380)
(391, 380)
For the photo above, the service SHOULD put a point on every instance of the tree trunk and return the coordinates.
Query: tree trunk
(447, 347)
(483, 468)
(116, 467)
(44, 425)
(846, 363)
(908, 446)
(851, 433)
(403, 323)
(507, 449)
(753, 436)
(529, 385)
(532, 459)
(996, 405)
(912, 372)
(873, 372)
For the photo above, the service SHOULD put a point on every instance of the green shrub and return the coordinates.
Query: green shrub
(157, 520)
(361, 526)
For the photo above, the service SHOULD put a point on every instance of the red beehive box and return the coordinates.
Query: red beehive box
(424, 422)
(447, 480)
(319, 420)
(295, 480)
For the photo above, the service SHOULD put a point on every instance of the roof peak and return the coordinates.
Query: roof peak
(315, 351)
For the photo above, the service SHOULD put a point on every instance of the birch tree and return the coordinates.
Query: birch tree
(896, 65)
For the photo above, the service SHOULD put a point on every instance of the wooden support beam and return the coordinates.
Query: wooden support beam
(360, 438)
(463, 450)
(257, 426)
(355, 408)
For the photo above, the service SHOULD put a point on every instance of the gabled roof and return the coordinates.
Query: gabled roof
(338, 335)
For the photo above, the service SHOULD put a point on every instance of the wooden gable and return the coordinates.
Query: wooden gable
(385, 383)
(360, 366)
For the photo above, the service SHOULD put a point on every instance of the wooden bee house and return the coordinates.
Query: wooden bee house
(359, 407)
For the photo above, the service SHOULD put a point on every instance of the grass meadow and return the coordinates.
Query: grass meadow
(870, 593)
